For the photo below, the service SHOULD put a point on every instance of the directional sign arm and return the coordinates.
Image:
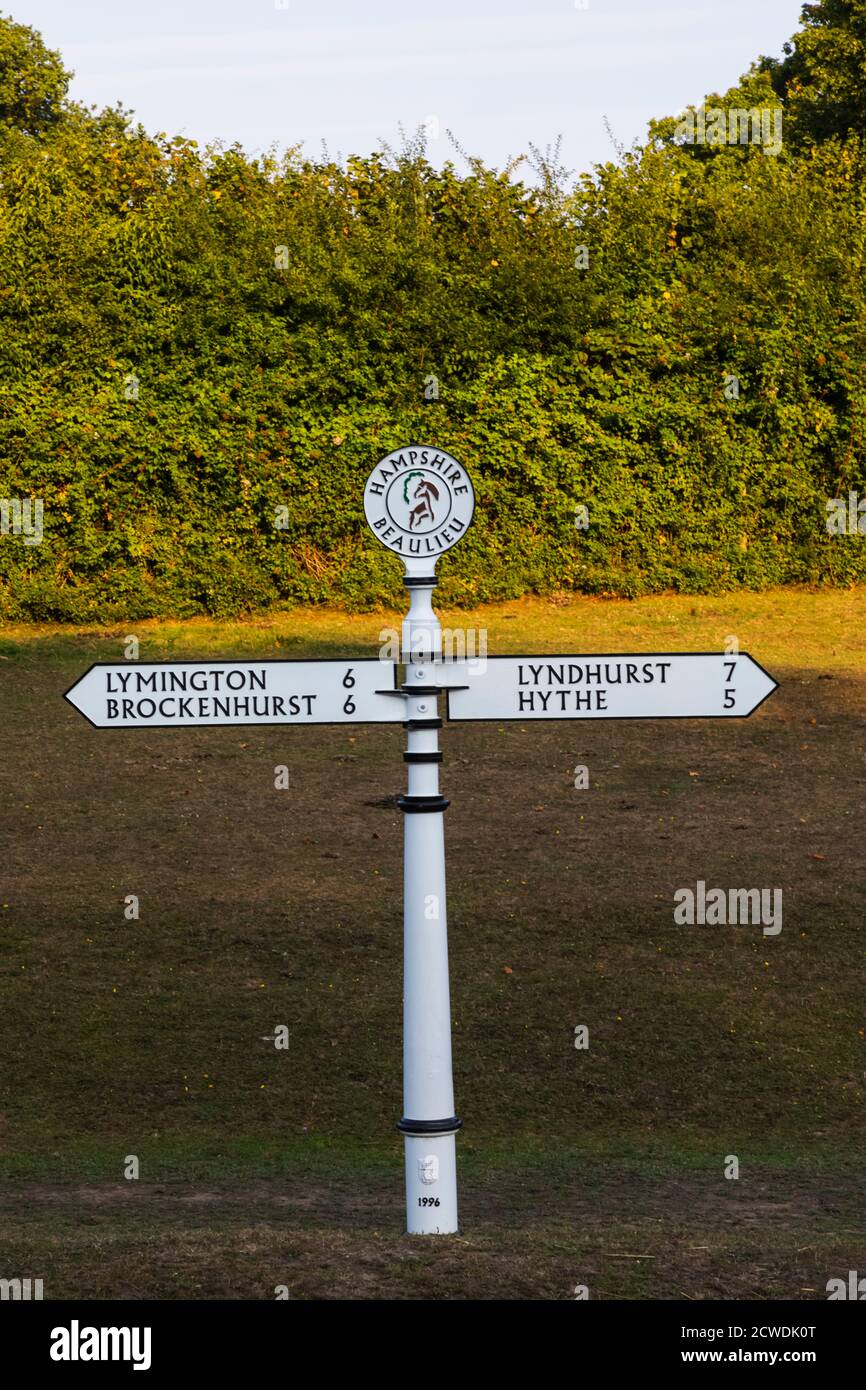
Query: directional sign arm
(649, 685)
(191, 694)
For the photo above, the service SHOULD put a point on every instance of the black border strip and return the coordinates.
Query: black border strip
(421, 805)
(251, 723)
(613, 718)
(428, 1127)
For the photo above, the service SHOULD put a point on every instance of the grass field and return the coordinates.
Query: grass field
(260, 907)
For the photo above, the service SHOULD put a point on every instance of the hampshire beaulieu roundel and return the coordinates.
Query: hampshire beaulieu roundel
(418, 501)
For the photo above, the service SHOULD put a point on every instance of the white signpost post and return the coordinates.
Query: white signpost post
(419, 502)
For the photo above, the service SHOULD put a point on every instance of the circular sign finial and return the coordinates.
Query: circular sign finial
(419, 501)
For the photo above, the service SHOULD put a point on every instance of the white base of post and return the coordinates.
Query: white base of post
(431, 1185)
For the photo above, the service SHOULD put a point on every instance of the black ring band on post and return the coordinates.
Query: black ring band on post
(422, 1127)
(422, 723)
(419, 804)
(423, 757)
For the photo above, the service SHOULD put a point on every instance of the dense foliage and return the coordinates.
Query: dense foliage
(191, 341)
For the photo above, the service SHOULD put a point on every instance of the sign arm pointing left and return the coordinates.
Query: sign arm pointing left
(195, 694)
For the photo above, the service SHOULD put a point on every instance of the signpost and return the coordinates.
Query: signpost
(419, 502)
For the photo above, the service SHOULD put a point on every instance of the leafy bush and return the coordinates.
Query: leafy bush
(190, 341)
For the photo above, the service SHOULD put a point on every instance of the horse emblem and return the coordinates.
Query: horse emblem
(424, 494)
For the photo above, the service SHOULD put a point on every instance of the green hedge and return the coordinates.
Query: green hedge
(270, 378)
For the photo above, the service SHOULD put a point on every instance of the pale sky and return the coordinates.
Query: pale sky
(499, 73)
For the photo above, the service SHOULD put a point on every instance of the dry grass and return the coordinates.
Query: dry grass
(260, 907)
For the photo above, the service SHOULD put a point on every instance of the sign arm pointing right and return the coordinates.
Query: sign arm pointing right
(605, 685)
